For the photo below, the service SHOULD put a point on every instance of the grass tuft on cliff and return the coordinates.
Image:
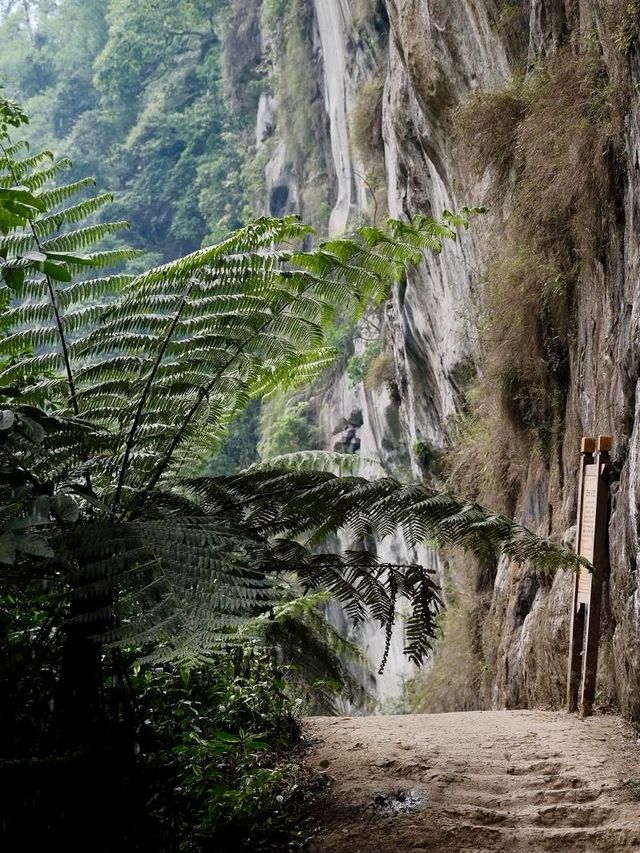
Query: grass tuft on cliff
(549, 145)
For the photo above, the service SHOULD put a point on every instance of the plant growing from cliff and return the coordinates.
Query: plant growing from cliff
(429, 456)
(626, 23)
(550, 142)
(286, 427)
(359, 363)
(381, 371)
(366, 124)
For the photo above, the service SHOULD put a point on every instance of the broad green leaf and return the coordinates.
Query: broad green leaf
(22, 195)
(13, 277)
(65, 508)
(72, 258)
(7, 419)
(55, 271)
(33, 544)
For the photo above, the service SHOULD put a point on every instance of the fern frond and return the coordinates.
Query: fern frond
(57, 195)
(74, 213)
(157, 365)
(37, 179)
(320, 503)
(73, 241)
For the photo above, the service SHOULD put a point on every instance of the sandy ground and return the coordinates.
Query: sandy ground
(473, 782)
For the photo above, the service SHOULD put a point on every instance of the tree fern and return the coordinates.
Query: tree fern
(140, 375)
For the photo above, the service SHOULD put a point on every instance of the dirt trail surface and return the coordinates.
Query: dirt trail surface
(479, 781)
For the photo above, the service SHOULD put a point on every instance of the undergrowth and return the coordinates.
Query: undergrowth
(218, 744)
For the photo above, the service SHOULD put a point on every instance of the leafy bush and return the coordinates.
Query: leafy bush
(359, 364)
(219, 738)
(286, 427)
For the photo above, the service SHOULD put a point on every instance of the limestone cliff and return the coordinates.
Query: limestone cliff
(550, 144)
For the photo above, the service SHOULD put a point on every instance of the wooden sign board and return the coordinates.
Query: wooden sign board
(587, 529)
(592, 544)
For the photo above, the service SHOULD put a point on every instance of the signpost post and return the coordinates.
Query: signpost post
(591, 543)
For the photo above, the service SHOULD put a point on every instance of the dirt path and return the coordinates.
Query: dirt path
(482, 781)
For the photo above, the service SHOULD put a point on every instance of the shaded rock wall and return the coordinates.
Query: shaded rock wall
(436, 55)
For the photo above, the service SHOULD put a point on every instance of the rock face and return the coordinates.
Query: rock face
(343, 72)
(435, 56)
(439, 53)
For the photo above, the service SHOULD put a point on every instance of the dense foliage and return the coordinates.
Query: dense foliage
(134, 92)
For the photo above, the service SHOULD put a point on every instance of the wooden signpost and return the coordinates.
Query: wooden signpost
(591, 543)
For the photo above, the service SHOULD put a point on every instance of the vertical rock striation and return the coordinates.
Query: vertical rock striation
(437, 55)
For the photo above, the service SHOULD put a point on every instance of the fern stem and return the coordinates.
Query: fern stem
(131, 438)
(164, 462)
(52, 297)
(63, 342)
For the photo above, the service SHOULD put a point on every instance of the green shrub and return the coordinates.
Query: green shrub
(454, 682)
(364, 12)
(286, 427)
(365, 125)
(381, 371)
(215, 745)
(359, 364)
(547, 128)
